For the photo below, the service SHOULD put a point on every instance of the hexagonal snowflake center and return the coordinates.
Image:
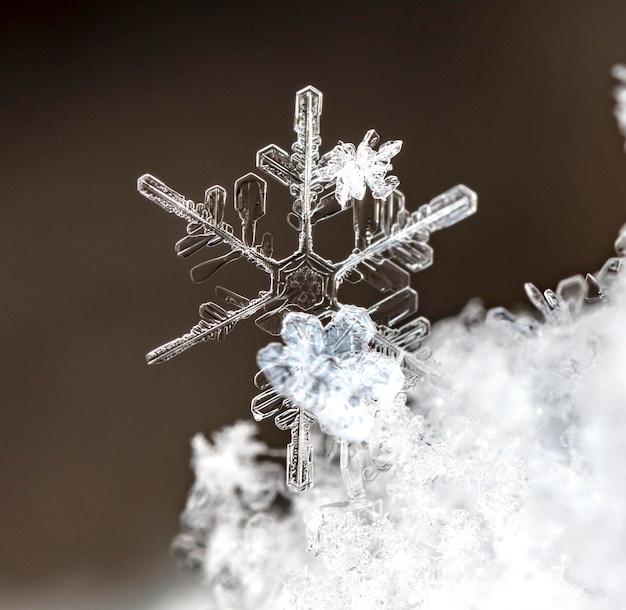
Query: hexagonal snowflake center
(306, 287)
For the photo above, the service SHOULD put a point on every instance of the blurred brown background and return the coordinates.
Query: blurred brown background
(511, 98)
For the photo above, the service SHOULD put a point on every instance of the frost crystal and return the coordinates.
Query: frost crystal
(389, 242)
(355, 169)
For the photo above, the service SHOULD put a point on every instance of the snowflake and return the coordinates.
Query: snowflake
(389, 242)
(355, 168)
(331, 371)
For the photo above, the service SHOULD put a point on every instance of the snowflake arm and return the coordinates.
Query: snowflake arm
(201, 216)
(217, 324)
(403, 242)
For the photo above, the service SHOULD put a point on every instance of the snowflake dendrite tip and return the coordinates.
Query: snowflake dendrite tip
(389, 242)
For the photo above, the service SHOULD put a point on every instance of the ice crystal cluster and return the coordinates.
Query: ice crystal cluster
(504, 489)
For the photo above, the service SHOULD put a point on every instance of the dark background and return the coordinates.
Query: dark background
(511, 98)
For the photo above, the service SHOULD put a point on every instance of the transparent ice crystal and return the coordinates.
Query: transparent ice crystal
(331, 371)
(355, 169)
(389, 243)
(566, 303)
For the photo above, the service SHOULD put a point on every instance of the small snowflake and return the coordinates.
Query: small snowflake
(331, 371)
(355, 168)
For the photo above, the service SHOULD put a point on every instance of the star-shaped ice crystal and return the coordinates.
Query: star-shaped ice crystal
(330, 371)
(354, 169)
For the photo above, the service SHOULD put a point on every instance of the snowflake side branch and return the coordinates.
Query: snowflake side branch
(276, 162)
(173, 202)
(445, 210)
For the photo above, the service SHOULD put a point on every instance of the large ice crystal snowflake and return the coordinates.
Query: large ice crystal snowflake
(389, 242)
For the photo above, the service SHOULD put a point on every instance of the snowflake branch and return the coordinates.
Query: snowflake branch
(445, 210)
(222, 323)
(306, 155)
(173, 202)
